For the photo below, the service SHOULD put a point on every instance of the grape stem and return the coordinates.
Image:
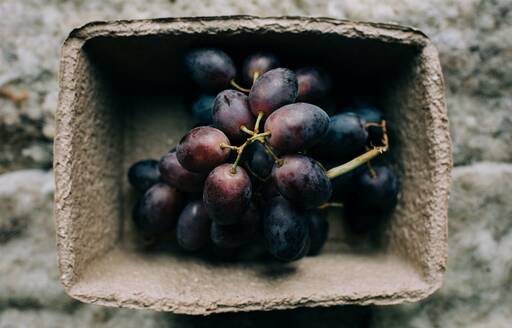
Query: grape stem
(243, 128)
(327, 205)
(270, 151)
(255, 76)
(248, 168)
(373, 174)
(362, 159)
(238, 87)
(258, 121)
(255, 135)
(240, 149)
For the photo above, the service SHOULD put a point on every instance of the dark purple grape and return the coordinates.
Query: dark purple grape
(193, 228)
(240, 233)
(230, 112)
(200, 151)
(227, 195)
(202, 109)
(302, 181)
(367, 113)
(258, 160)
(314, 84)
(143, 174)
(345, 138)
(343, 185)
(370, 114)
(296, 127)
(211, 69)
(378, 193)
(158, 209)
(177, 176)
(268, 190)
(318, 231)
(372, 200)
(258, 64)
(285, 230)
(274, 89)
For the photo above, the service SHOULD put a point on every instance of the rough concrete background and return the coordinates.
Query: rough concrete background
(475, 42)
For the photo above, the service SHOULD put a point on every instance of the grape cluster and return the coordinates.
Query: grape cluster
(265, 162)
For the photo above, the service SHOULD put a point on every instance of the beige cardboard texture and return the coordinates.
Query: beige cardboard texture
(121, 100)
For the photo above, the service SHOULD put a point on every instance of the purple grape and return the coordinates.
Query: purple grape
(258, 63)
(296, 127)
(242, 232)
(314, 84)
(258, 160)
(285, 230)
(211, 69)
(143, 174)
(318, 231)
(193, 228)
(372, 200)
(302, 181)
(274, 89)
(177, 176)
(230, 112)
(345, 138)
(379, 192)
(227, 195)
(200, 151)
(370, 114)
(268, 190)
(158, 209)
(202, 109)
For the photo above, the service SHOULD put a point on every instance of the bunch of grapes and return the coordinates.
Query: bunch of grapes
(265, 164)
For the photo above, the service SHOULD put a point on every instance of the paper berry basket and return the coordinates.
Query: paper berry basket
(121, 88)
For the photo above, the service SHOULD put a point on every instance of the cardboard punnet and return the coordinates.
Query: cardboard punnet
(122, 87)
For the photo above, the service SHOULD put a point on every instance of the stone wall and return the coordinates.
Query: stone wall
(475, 43)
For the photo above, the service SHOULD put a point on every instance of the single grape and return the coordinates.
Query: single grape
(227, 195)
(314, 84)
(211, 69)
(318, 231)
(370, 114)
(202, 109)
(296, 127)
(193, 228)
(143, 174)
(258, 64)
(367, 113)
(258, 160)
(200, 151)
(242, 232)
(343, 185)
(373, 198)
(274, 89)
(268, 190)
(230, 112)
(379, 192)
(285, 230)
(158, 209)
(345, 138)
(177, 176)
(302, 181)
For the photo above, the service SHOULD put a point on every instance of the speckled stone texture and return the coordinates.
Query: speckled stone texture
(473, 37)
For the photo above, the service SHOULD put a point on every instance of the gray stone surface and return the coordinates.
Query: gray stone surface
(472, 35)
(475, 43)
(477, 291)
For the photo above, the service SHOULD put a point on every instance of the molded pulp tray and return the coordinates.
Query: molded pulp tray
(121, 100)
